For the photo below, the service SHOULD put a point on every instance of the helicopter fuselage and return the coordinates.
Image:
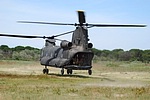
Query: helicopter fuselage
(60, 58)
(75, 55)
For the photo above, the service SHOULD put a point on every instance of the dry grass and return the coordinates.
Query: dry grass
(106, 83)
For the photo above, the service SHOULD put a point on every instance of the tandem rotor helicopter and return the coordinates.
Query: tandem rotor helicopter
(74, 55)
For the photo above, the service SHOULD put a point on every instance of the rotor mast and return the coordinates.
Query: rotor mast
(80, 35)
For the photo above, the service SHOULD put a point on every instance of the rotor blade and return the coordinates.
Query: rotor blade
(27, 36)
(45, 23)
(63, 34)
(22, 36)
(107, 25)
(81, 17)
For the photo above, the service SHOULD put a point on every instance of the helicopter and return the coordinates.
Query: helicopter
(70, 55)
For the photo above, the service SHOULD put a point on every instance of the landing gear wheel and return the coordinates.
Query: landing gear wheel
(45, 71)
(69, 71)
(62, 71)
(90, 72)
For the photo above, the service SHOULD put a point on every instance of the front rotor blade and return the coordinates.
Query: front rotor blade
(105, 25)
(21, 36)
(45, 23)
(81, 17)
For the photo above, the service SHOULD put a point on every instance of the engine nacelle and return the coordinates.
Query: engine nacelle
(66, 44)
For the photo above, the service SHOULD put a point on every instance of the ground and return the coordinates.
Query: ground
(109, 81)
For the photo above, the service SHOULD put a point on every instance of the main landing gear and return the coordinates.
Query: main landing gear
(45, 70)
(90, 72)
(62, 71)
(69, 71)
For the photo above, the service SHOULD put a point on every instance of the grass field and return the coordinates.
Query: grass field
(23, 80)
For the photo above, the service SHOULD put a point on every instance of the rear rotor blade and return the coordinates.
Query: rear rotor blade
(81, 17)
(45, 23)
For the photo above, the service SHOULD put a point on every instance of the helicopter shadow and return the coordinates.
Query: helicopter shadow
(71, 76)
(82, 76)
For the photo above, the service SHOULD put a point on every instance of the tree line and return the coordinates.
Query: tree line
(31, 53)
(121, 55)
(19, 53)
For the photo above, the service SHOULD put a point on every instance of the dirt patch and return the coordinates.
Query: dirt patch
(122, 79)
(6, 63)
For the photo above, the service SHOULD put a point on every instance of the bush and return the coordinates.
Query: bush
(26, 55)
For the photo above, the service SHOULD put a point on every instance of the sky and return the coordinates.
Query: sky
(65, 11)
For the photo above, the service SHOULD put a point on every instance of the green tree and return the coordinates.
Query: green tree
(6, 52)
(136, 54)
(96, 51)
(26, 55)
(1, 54)
(4, 48)
(19, 48)
(146, 56)
(29, 48)
(116, 53)
(125, 56)
(105, 55)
